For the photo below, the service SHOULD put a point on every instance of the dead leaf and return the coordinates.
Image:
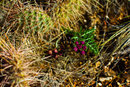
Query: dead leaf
(102, 79)
(98, 64)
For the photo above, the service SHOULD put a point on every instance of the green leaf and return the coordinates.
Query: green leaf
(88, 32)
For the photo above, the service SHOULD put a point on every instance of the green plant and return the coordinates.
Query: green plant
(86, 40)
(35, 21)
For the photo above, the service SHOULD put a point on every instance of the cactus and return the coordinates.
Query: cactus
(35, 21)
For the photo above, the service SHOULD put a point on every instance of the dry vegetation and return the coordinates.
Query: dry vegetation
(37, 43)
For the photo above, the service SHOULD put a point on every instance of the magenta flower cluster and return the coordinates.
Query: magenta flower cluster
(80, 47)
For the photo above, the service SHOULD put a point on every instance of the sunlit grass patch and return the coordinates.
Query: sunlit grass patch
(16, 63)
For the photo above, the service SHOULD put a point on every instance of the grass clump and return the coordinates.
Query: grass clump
(16, 64)
(69, 13)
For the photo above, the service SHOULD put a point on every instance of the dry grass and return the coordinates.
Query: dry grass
(28, 32)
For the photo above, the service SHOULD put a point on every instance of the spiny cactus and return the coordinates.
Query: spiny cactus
(35, 21)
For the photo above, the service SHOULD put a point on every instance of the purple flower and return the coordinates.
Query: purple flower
(79, 46)
(83, 52)
(82, 42)
(75, 49)
(84, 47)
(76, 42)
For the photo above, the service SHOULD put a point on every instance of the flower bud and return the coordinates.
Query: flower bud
(76, 42)
(82, 42)
(84, 47)
(83, 52)
(50, 52)
(55, 51)
(75, 49)
(79, 46)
